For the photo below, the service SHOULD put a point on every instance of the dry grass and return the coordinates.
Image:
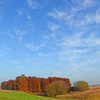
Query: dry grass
(92, 94)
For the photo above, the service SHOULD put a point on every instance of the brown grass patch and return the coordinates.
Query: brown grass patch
(92, 94)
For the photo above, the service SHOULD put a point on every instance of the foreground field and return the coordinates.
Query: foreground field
(92, 94)
(23, 96)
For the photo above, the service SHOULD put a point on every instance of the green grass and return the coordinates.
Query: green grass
(6, 91)
(24, 96)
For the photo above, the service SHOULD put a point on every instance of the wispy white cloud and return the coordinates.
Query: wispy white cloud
(19, 32)
(83, 4)
(72, 51)
(91, 41)
(71, 54)
(90, 18)
(28, 17)
(87, 19)
(10, 35)
(33, 47)
(77, 43)
(66, 17)
(33, 4)
(53, 27)
(20, 11)
(19, 38)
(57, 14)
(72, 41)
(30, 46)
(97, 16)
(72, 18)
(45, 36)
(4, 51)
(76, 46)
(77, 40)
(44, 55)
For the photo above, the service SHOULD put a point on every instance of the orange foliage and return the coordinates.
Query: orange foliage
(6, 85)
(31, 84)
(44, 82)
(21, 83)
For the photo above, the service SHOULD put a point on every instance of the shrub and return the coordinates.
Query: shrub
(80, 86)
(50, 91)
(56, 88)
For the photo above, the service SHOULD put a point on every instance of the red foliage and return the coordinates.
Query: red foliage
(66, 80)
(9, 84)
(32, 84)
(43, 83)
(6, 85)
(21, 83)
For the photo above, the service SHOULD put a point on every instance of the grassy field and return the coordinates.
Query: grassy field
(92, 94)
(6, 91)
(23, 96)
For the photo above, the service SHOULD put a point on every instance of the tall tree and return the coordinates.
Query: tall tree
(21, 83)
(34, 85)
(4, 85)
(44, 82)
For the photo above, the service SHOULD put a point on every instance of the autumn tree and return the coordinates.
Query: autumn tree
(38, 87)
(50, 91)
(10, 84)
(66, 80)
(80, 86)
(21, 83)
(52, 79)
(34, 85)
(30, 86)
(7, 84)
(43, 83)
(4, 85)
(56, 88)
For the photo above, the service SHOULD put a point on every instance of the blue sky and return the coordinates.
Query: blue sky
(46, 38)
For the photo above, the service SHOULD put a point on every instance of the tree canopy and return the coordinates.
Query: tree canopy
(80, 86)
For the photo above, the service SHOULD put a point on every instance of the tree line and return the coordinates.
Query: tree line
(32, 84)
